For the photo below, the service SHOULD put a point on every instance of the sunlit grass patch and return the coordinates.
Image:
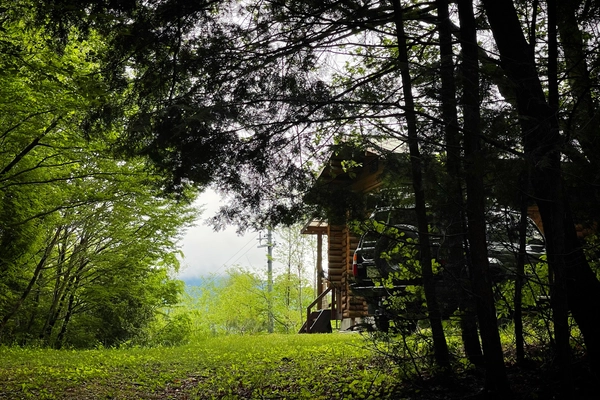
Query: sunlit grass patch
(261, 366)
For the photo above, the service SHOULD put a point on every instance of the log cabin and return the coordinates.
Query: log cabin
(341, 306)
(336, 244)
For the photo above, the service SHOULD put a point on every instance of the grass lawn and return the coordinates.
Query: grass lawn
(330, 366)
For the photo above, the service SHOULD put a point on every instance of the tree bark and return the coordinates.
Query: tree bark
(574, 280)
(453, 208)
(585, 119)
(440, 346)
(496, 379)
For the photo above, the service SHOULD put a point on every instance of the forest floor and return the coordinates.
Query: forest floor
(329, 366)
(527, 382)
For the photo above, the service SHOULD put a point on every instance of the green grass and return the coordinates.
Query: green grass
(334, 366)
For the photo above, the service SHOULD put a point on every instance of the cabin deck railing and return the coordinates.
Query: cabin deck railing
(336, 303)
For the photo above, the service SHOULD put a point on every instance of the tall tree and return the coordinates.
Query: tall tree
(496, 378)
(453, 212)
(441, 352)
(297, 253)
(574, 280)
(72, 216)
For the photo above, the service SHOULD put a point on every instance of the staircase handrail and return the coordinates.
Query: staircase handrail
(311, 305)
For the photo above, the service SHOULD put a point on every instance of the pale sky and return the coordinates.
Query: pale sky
(209, 252)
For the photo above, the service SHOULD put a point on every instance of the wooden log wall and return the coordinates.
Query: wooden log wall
(342, 244)
(336, 258)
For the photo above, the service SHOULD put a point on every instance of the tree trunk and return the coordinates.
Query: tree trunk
(60, 283)
(520, 273)
(585, 116)
(560, 310)
(60, 338)
(453, 209)
(496, 380)
(441, 353)
(36, 273)
(36, 304)
(574, 280)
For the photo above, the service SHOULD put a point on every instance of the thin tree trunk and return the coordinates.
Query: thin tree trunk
(65, 276)
(60, 283)
(520, 273)
(453, 210)
(439, 340)
(60, 338)
(586, 117)
(36, 273)
(496, 379)
(560, 310)
(36, 302)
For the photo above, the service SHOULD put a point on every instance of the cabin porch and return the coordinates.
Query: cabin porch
(335, 301)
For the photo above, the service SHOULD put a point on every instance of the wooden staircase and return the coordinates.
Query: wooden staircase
(317, 322)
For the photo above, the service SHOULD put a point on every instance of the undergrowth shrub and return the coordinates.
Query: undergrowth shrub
(168, 330)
